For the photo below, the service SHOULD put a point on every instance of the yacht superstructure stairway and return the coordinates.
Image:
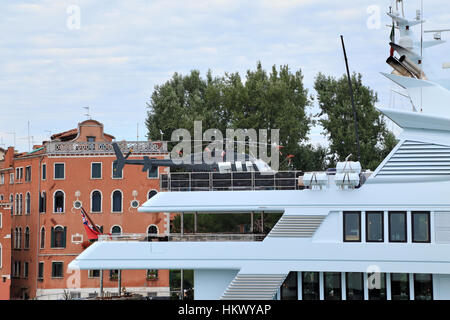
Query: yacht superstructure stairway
(254, 287)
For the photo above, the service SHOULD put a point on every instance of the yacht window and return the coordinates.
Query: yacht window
(352, 226)
(332, 285)
(354, 286)
(289, 288)
(423, 287)
(376, 283)
(420, 226)
(397, 226)
(374, 226)
(310, 286)
(400, 286)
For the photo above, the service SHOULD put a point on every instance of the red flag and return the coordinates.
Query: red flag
(91, 230)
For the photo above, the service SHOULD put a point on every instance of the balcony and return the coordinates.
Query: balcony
(177, 237)
(103, 148)
(215, 181)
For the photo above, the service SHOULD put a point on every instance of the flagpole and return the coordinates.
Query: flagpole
(92, 223)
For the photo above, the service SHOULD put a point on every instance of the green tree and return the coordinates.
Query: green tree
(275, 100)
(336, 117)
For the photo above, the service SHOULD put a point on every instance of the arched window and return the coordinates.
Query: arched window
(96, 201)
(117, 201)
(151, 194)
(16, 238)
(11, 200)
(27, 203)
(42, 238)
(21, 204)
(152, 229)
(116, 230)
(19, 238)
(58, 237)
(27, 238)
(17, 204)
(58, 201)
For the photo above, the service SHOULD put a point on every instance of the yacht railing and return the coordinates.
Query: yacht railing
(83, 148)
(178, 237)
(215, 181)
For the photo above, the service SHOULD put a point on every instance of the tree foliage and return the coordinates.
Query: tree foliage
(336, 117)
(275, 100)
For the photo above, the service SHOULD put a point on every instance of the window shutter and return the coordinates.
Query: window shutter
(52, 238)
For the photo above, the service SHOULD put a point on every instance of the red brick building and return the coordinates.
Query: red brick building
(46, 232)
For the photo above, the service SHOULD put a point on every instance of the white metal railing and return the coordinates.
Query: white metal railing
(182, 237)
(72, 147)
(214, 181)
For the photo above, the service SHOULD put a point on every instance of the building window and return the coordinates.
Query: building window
(57, 270)
(352, 226)
(20, 204)
(27, 238)
(27, 203)
(113, 274)
(397, 226)
(17, 204)
(354, 286)
(400, 286)
(41, 271)
(96, 170)
(332, 286)
(116, 173)
(94, 274)
(42, 244)
(116, 230)
(43, 202)
(374, 226)
(152, 229)
(289, 288)
(58, 237)
(28, 174)
(44, 171)
(152, 173)
(423, 286)
(152, 274)
(376, 283)
(310, 286)
(96, 201)
(25, 270)
(11, 178)
(58, 202)
(151, 194)
(117, 201)
(60, 171)
(420, 226)
(19, 174)
(2, 178)
(11, 200)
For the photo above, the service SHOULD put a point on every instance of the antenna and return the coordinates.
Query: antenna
(88, 115)
(355, 119)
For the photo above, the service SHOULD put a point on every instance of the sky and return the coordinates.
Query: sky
(58, 57)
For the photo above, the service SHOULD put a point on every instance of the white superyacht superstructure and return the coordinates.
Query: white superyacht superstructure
(387, 237)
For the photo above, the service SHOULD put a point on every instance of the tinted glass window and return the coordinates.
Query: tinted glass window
(96, 170)
(96, 201)
(59, 170)
(376, 283)
(374, 225)
(332, 285)
(397, 226)
(400, 286)
(289, 288)
(421, 226)
(355, 288)
(310, 286)
(423, 287)
(352, 226)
